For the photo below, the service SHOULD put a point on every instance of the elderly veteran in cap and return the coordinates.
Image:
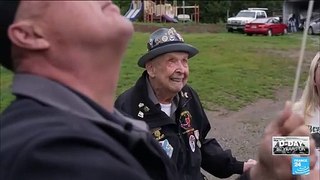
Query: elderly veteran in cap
(173, 111)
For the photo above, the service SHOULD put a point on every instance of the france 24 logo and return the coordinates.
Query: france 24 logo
(290, 145)
(300, 165)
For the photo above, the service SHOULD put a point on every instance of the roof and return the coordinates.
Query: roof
(252, 11)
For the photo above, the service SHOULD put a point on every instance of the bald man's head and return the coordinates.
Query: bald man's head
(43, 29)
(31, 10)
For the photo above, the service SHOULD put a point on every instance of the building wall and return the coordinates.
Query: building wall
(287, 10)
(298, 7)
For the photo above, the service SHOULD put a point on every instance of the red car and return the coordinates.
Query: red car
(267, 26)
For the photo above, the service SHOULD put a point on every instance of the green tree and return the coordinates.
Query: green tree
(217, 10)
(273, 6)
(214, 11)
(123, 4)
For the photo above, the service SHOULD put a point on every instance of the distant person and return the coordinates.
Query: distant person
(292, 23)
(66, 57)
(302, 20)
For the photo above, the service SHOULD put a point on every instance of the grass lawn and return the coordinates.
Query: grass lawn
(230, 71)
(5, 82)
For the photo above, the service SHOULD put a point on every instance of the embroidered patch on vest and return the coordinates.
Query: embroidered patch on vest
(157, 134)
(166, 146)
(196, 134)
(185, 120)
(192, 143)
(140, 114)
(140, 105)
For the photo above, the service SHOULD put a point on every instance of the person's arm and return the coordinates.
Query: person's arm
(67, 155)
(219, 162)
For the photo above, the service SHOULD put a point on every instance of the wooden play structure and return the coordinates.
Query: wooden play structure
(195, 15)
(161, 11)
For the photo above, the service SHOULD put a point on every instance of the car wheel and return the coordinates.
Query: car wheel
(310, 31)
(230, 30)
(285, 31)
(269, 33)
(249, 34)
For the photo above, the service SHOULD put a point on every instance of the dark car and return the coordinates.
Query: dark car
(267, 26)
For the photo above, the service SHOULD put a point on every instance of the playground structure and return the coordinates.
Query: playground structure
(161, 11)
(135, 10)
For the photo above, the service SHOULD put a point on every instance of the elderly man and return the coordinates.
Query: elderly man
(66, 57)
(173, 111)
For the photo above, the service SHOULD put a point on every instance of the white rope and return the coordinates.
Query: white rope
(302, 50)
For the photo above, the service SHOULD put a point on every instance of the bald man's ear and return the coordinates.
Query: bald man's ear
(26, 35)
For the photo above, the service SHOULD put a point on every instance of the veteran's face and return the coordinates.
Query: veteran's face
(169, 72)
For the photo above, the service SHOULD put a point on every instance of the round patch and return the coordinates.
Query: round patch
(172, 38)
(164, 38)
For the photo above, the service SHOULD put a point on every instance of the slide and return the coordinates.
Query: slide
(169, 17)
(135, 10)
(130, 10)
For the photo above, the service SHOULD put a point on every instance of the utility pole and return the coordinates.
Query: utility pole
(183, 9)
(175, 3)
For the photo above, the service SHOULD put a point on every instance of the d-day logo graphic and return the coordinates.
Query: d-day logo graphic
(290, 145)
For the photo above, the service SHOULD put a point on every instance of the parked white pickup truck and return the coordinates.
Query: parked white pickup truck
(238, 22)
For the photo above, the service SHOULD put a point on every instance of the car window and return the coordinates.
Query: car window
(315, 17)
(315, 20)
(245, 14)
(261, 15)
(262, 20)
